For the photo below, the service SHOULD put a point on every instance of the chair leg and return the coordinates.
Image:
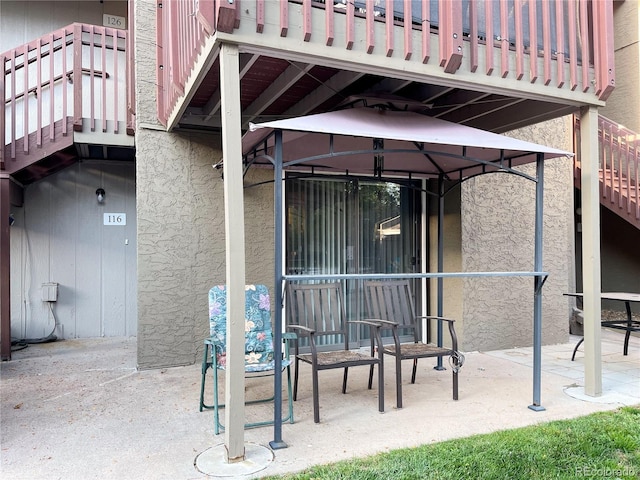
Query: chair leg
(371, 377)
(573, 357)
(398, 381)
(205, 367)
(216, 406)
(316, 406)
(381, 385)
(295, 380)
(455, 385)
(415, 368)
(289, 397)
(344, 380)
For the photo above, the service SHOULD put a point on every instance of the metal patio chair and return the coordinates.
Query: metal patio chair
(391, 303)
(259, 351)
(317, 315)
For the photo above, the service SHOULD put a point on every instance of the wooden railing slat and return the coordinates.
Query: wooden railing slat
(329, 23)
(504, 38)
(559, 38)
(488, 26)
(573, 45)
(408, 31)
(370, 36)
(533, 42)
(546, 42)
(519, 38)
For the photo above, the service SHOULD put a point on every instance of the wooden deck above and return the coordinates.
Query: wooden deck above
(492, 65)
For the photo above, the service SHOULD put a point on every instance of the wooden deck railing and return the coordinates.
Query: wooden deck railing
(543, 35)
(619, 155)
(77, 76)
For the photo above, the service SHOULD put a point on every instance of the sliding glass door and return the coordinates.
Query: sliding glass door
(351, 226)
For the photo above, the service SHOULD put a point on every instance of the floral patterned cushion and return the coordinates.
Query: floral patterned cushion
(259, 353)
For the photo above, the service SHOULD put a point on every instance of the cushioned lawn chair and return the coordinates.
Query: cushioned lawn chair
(259, 351)
(391, 302)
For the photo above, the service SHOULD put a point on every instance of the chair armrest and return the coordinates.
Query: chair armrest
(301, 328)
(289, 336)
(369, 321)
(452, 330)
(380, 322)
(432, 317)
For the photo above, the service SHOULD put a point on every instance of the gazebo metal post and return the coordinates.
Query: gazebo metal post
(277, 441)
(440, 264)
(538, 281)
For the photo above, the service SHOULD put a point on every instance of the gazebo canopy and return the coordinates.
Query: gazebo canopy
(372, 141)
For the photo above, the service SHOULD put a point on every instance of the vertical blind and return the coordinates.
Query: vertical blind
(352, 226)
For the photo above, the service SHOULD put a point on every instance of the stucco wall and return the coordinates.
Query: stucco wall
(497, 235)
(180, 208)
(452, 287)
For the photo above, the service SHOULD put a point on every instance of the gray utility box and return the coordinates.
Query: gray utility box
(49, 292)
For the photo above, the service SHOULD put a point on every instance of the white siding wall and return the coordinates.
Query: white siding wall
(59, 236)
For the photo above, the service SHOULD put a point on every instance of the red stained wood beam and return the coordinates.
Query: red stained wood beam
(604, 48)
(226, 16)
(452, 31)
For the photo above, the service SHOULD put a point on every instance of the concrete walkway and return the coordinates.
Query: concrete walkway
(79, 409)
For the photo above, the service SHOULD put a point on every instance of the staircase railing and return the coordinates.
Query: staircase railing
(76, 77)
(619, 156)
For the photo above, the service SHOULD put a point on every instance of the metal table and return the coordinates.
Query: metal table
(629, 325)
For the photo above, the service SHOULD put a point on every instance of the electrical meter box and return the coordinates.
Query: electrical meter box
(49, 292)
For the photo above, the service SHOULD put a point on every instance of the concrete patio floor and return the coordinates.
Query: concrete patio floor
(79, 409)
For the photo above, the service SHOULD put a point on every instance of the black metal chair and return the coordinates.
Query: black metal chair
(391, 303)
(317, 313)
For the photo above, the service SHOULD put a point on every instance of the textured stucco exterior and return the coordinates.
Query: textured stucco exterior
(452, 260)
(181, 242)
(497, 216)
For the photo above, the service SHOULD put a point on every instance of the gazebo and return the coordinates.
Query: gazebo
(376, 141)
(381, 141)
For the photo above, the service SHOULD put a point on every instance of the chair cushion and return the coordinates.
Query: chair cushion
(259, 353)
(340, 357)
(418, 350)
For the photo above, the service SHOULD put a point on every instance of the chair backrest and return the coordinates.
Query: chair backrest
(391, 300)
(258, 332)
(319, 307)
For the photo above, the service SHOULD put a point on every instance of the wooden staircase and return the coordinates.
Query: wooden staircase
(619, 150)
(64, 94)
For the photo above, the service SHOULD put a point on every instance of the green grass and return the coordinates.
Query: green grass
(603, 445)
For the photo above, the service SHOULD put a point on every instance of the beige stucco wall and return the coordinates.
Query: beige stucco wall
(452, 234)
(181, 242)
(497, 216)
